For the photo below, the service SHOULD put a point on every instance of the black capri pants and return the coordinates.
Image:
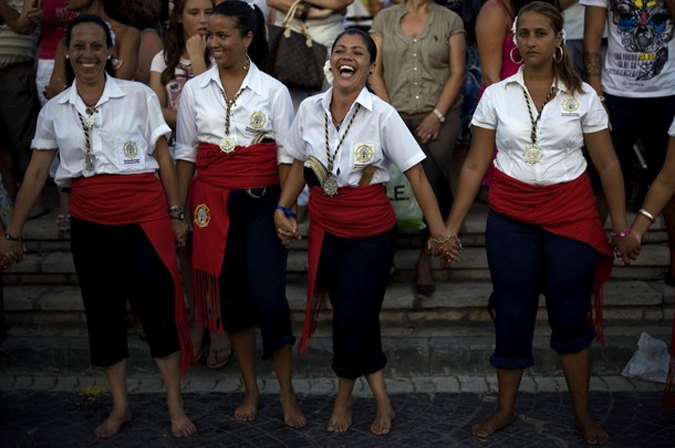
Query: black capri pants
(355, 273)
(253, 276)
(525, 260)
(114, 263)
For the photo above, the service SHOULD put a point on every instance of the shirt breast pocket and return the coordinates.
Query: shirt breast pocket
(130, 153)
(363, 154)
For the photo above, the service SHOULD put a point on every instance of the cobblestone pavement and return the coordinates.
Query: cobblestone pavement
(43, 411)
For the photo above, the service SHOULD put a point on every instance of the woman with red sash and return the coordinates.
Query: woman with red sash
(543, 233)
(345, 139)
(112, 140)
(660, 192)
(229, 118)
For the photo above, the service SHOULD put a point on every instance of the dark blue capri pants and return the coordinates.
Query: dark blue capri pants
(355, 273)
(113, 263)
(525, 260)
(253, 276)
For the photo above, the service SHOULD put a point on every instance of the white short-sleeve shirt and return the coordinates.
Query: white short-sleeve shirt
(264, 106)
(560, 130)
(378, 136)
(640, 58)
(128, 123)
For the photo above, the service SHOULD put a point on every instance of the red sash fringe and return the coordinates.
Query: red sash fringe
(117, 200)
(217, 173)
(565, 209)
(356, 212)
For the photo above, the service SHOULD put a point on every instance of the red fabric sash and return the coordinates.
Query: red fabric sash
(356, 212)
(565, 209)
(669, 392)
(117, 200)
(217, 173)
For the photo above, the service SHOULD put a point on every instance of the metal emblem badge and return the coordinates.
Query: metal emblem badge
(258, 119)
(330, 186)
(227, 144)
(532, 154)
(202, 215)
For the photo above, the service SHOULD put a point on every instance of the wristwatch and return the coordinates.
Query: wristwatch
(439, 115)
(176, 212)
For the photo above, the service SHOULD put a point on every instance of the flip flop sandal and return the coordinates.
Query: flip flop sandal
(212, 360)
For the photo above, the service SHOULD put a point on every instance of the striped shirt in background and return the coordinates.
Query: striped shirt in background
(17, 48)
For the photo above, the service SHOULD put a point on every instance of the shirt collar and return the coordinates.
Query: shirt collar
(111, 90)
(252, 80)
(519, 78)
(365, 99)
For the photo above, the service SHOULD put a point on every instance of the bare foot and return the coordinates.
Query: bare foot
(247, 411)
(293, 415)
(495, 422)
(383, 416)
(112, 424)
(182, 426)
(341, 418)
(593, 434)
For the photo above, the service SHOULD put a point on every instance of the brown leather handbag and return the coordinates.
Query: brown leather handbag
(295, 59)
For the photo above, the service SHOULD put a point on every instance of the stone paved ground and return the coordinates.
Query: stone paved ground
(48, 411)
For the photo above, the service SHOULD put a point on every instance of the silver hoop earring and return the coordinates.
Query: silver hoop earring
(512, 59)
(562, 53)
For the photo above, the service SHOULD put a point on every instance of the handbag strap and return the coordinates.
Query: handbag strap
(288, 21)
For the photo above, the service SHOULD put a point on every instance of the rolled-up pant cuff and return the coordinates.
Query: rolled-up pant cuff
(511, 363)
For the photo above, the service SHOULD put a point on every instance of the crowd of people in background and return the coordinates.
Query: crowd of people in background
(162, 127)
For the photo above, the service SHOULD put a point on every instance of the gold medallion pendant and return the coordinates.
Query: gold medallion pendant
(532, 154)
(227, 144)
(330, 186)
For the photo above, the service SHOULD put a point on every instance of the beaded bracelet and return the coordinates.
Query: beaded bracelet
(446, 239)
(287, 212)
(647, 215)
(622, 234)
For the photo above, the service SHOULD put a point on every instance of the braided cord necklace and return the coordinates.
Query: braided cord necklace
(532, 153)
(228, 143)
(89, 157)
(330, 184)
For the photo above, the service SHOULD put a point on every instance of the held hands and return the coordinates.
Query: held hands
(180, 231)
(10, 252)
(626, 245)
(287, 228)
(445, 246)
(428, 129)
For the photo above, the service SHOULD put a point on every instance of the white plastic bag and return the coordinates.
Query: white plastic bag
(408, 212)
(650, 361)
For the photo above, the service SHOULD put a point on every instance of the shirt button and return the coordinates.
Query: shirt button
(415, 68)
(414, 40)
(417, 97)
(414, 54)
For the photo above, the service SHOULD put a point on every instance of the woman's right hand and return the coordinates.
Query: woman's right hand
(196, 46)
(287, 228)
(11, 252)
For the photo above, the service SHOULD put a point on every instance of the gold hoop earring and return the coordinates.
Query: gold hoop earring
(562, 53)
(512, 59)
(247, 62)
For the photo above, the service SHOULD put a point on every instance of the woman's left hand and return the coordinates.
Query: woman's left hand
(180, 230)
(627, 248)
(428, 129)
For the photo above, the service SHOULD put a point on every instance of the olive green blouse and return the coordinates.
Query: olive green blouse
(415, 70)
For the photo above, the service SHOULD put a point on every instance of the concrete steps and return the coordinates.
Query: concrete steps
(450, 331)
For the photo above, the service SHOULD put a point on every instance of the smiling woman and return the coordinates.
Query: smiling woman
(344, 141)
(111, 138)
